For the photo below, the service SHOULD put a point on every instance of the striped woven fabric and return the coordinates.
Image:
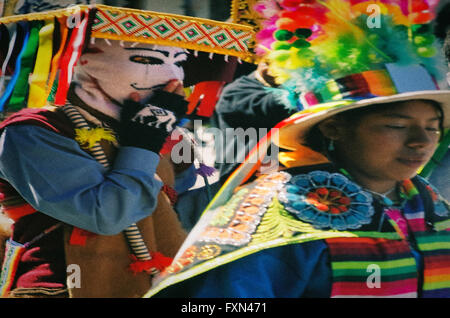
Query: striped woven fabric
(355, 86)
(436, 251)
(434, 246)
(13, 252)
(354, 260)
(372, 267)
(414, 211)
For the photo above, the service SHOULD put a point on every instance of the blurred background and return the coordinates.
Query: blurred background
(210, 9)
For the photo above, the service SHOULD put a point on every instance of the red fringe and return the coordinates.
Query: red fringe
(171, 194)
(79, 236)
(203, 99)
(158, 261)
(169, 144)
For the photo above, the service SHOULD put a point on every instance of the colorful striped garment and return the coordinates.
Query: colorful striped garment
(372, 267)
(13, 254)
(381, 267)
(436, 251)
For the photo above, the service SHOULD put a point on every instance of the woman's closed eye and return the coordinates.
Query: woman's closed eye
(396, 126)
(435, 130)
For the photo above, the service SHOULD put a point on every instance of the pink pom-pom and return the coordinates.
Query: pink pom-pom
(266, 9)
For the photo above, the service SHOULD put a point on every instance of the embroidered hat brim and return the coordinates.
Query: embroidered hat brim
(143, 26)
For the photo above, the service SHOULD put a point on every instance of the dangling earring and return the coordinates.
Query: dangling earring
(331, 146)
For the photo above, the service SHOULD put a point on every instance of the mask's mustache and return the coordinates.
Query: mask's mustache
(156, 87)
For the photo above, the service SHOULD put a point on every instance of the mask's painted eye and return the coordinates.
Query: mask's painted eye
(180, 63)
(146, 60)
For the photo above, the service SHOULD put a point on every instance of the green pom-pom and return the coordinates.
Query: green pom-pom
(281, 55)
(425, 51)
(305, 53)
(421, 28)
(281, 45)
(301, 43)
(283, 35)
(303, 33)
(424, 40)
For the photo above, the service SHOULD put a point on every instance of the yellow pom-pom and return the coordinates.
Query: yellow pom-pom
(88, 137)
(299, 58)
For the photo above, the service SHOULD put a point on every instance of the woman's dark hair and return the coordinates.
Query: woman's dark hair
(315, 140)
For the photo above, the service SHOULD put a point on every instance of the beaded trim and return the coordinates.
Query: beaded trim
(235, 222)
(159, 28)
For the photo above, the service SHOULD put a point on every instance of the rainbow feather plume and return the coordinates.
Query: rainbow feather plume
(309, 42)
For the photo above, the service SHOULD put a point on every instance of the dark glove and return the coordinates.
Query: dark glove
(147, 125)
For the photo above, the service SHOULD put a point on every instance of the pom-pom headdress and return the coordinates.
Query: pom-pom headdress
(337, 55)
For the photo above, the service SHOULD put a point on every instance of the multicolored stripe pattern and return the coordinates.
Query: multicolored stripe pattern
(379, 267)
(436, 251)
(356, 86)
(414, 210)
(434, 244)
(13, 253)
(189, 32)
(372, 267)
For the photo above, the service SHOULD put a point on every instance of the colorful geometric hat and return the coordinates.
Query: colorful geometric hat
(333, 56)
(39, 50)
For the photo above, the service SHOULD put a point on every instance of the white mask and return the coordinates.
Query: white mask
(112, 70)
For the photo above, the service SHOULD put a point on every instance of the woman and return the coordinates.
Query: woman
(378, 154)
(359, 222)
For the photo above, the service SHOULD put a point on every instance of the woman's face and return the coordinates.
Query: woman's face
(389, 145)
